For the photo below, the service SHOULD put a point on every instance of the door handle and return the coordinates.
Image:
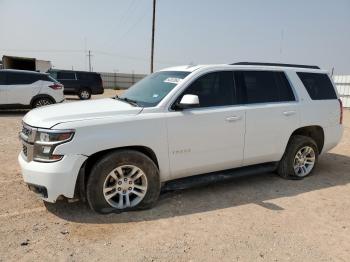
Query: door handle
(233, 118)
(289, 113)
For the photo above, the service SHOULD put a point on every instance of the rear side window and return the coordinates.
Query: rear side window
(2, 78)
(65, 76)
(22, 78)
(88, 77)
(48, 78)
(319, 86)
(264, 86)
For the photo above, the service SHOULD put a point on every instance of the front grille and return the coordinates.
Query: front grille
(27, 135)
(26, 131)
(25, 150)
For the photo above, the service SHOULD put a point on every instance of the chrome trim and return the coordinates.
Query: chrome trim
(28, 136)
(30, 151)
(37, 159)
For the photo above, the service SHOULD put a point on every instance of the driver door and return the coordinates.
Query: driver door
(209, 137)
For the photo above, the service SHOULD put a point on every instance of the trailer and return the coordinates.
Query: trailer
(25, 63)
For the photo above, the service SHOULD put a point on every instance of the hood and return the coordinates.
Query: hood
(49, 116)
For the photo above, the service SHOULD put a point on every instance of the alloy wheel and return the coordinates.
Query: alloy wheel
(304, 161)
(125, 186)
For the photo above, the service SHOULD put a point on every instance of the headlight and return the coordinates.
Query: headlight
(46, 142)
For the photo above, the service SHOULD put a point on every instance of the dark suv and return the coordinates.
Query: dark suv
(83, 84)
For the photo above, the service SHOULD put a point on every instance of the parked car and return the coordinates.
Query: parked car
(28, 89)
(180, 122)
(81, 83)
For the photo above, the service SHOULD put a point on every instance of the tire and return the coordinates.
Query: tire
(103, 185)
(292, 166)
(84, 94)
(42, 101)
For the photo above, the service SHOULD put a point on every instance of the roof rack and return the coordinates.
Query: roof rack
(276, 64)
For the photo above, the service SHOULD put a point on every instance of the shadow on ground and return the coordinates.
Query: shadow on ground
(333, 170)
(13, 112)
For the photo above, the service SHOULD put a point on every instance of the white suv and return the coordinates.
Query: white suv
(28, 89)
(116, 153)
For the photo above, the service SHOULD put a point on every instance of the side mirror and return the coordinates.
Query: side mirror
(188, 101)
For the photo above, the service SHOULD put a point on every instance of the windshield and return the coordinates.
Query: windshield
(152, 89)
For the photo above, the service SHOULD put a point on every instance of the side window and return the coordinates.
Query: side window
(284, 89)
(264, 86)
(65, 75)
(319, 86)
(213, 89)
(2, 78)
(21, 78)
(53, 74)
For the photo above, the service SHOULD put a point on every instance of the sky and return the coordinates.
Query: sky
(118, 32)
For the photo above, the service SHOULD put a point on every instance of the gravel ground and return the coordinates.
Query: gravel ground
(258, 218)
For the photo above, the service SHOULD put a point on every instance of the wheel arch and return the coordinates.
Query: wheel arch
(315, 132)
(36, 97)
(83, 176)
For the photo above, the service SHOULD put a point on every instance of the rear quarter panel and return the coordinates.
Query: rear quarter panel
(324, 113)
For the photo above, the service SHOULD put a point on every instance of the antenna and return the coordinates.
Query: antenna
(153, 29)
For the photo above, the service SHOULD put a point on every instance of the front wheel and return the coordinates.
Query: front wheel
(300, 158)
(121, 181)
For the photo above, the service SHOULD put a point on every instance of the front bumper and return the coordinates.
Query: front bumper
(58, 178)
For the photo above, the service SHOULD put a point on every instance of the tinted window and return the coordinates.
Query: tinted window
(47, 78)
(319, 86)
(2, 78)
(22, 78)
(88, 77)
(264, 86)
(66, 75)
(53, 74)
(213, 89)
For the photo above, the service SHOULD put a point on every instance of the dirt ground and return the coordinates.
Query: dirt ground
(258, 218)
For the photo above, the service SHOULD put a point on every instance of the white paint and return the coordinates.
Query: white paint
(187, 142)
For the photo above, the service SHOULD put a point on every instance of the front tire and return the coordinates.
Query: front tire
(121, 181)
(300, 158)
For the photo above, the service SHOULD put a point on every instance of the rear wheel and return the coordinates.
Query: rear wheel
(84, 94)
(43, 101)
(121, 181)
(300, 158)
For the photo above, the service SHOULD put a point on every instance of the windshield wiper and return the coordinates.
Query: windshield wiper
(128, 100)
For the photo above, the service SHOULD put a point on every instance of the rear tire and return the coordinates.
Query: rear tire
(84, 94)
(42, 101)
(123, 180)
(299, 159)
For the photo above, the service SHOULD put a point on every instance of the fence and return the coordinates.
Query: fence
(343, 85)
(120, 80)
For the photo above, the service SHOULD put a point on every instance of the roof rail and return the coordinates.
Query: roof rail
(276, 64)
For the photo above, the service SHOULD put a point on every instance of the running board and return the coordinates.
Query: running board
(214, 177)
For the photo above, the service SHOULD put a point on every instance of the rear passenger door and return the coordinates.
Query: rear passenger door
(69, 81)
(271, 114)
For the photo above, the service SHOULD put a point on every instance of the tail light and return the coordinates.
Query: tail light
(341, 111)
(56, 86)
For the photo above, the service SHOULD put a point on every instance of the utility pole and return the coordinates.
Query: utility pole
(153, 28)
(89, 55)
